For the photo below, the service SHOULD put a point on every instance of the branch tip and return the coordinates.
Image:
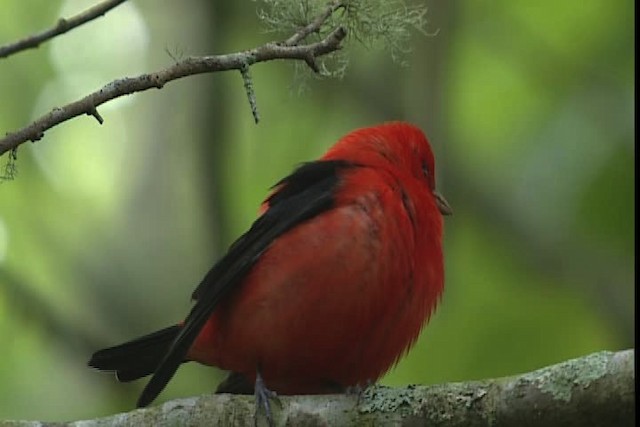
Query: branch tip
(340, 33)
(93, 111)
(248, 87)
(310, 59)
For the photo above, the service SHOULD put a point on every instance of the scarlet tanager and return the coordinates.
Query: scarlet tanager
(329, 287)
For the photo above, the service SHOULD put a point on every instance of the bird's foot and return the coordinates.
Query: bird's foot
(263, 395)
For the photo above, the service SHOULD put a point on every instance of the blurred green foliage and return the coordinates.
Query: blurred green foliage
(106, 229)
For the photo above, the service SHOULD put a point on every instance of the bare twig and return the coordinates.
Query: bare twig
(251, 94)
(187, 67)
(316, 25)
(63, 25)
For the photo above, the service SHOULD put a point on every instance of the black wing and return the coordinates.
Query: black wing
(307, 192)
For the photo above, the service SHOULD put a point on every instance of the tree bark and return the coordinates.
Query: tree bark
(594, 390)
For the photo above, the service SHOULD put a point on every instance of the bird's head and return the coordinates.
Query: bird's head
(395, 145)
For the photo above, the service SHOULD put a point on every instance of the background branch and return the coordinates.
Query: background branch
(187, 67)
(63, 25)
(595, 390)
(316, 25)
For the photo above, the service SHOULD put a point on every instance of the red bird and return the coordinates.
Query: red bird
(330, 286)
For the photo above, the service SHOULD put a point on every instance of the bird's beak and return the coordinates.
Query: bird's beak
(443, 205)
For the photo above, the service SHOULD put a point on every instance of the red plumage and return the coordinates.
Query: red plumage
(329, 299)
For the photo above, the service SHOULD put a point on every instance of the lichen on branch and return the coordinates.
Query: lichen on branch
(594, 390)
(316, 34)
(376, 24)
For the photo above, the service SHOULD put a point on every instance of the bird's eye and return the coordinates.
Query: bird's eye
(425, 169)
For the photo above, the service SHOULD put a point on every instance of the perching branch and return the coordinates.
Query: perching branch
(63, 25)
(595, 390)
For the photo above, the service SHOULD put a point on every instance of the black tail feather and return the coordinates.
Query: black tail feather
(138, 358)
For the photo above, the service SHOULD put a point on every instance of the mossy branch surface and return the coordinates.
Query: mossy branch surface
(594, 390)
